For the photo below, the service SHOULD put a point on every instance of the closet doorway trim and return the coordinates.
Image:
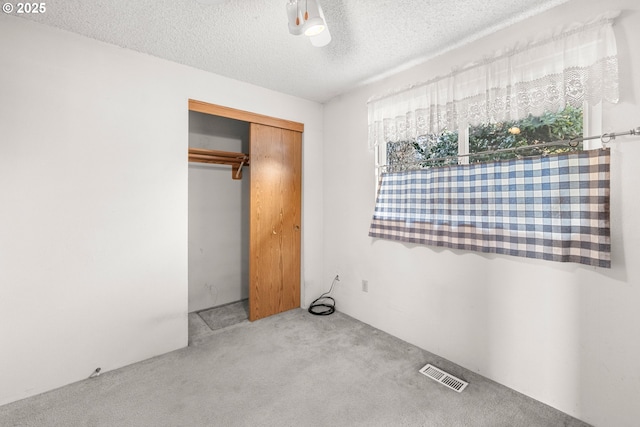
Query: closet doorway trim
(246, 116)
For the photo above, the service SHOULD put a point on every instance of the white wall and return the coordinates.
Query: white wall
(93, 196)
(565, 334)
(218, 216)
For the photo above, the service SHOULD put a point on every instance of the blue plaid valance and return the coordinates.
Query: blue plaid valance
(551, 207)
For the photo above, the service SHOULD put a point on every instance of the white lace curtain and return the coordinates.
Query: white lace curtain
(574, 66)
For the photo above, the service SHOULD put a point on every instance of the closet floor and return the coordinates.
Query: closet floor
(205, 322)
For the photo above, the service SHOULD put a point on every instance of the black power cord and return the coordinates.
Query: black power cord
(324, 305)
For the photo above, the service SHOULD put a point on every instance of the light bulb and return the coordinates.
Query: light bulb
(314, 28)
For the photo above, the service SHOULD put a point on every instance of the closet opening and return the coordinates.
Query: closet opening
(270, 202)
(219, 196)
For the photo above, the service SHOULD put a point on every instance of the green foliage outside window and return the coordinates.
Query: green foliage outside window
(563, 125)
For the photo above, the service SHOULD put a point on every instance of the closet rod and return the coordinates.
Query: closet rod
(218, 159)
(236, 160)
(218, 153)
(573, 143)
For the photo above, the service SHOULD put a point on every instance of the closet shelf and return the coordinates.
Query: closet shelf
(236, 160)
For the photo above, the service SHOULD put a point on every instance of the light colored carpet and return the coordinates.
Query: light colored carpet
(292, 369)
(226, 315)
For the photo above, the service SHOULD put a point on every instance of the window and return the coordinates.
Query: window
(551, 207)
(447, 147)
(575, 69)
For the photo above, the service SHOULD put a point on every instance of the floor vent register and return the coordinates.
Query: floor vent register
(444, 378)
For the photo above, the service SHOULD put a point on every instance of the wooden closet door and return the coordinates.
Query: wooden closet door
(274, 247)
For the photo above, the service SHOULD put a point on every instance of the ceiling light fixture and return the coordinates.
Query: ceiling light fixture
(306, 17)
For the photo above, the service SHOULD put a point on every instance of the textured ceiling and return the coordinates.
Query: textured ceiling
(248, 40)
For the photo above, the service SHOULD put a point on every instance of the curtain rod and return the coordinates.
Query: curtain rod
(605, 138)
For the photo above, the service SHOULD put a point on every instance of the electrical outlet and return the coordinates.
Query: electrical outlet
(365, 285)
